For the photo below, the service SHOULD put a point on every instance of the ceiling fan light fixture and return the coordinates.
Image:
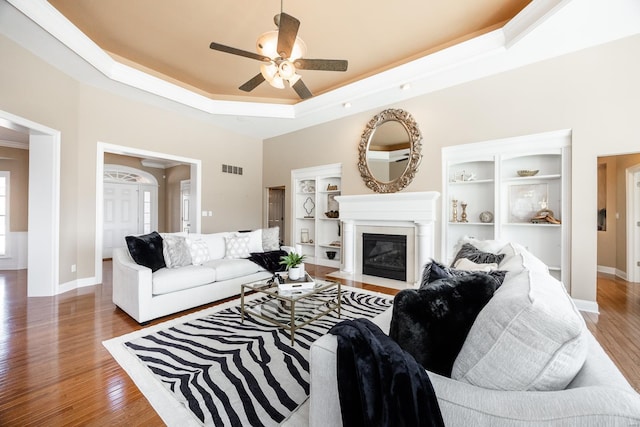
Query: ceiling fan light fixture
(267, 45)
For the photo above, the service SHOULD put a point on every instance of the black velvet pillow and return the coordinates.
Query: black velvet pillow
(434, 271)
(474, 254)
(269, 260)
(147, 250)
(432, 323)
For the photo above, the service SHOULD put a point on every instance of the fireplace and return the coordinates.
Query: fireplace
(384, 255)
(411, 215)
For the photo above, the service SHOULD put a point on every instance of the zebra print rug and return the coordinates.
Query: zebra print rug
(209, 368)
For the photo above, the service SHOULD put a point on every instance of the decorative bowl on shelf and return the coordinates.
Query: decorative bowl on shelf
(527, 172)
(332, 214)
(331, 254)
(486, 217)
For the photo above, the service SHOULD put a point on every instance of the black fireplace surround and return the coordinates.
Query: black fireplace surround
(384, 255)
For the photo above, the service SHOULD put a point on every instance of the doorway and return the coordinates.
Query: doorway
(130, 205)
(619, 216)
(276, 210)
(43, 225)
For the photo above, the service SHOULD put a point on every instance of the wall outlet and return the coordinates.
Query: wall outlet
(73, 268)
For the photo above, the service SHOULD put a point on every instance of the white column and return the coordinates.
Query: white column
(348, 246)
(425, 245)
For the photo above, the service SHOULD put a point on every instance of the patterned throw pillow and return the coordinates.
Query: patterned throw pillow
(271, 239)
(237, 247)
(476, 255)
(199, 251)
(176, 251)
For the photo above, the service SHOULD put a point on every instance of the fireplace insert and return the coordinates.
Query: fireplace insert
(384, 255)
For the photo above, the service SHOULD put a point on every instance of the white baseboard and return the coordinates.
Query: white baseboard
(606, 270)
(78, 283)
(621, 274)
(588, 306)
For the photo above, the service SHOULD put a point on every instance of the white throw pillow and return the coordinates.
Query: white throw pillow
(237, 247)
(271, 239)
(199, 251)
(176, 251)
(529, 336)
(255, 240)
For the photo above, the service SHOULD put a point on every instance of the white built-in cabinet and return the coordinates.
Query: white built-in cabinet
(315, 230)
(501, 204)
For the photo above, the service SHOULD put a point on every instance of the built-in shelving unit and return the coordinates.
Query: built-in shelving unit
(316, 222)
(485, 177)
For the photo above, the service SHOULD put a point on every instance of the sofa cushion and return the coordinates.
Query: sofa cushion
(468, 265)
(255, 240)
(199, 251)
(231, 268)
(167, 280)
(215, 243)
(434, 271)
(476, 255)
(431, 323)
(530, 336)
(237, 247)
(146, 250)
(176, 251)
(271, 239)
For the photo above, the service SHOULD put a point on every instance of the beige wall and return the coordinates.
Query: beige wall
(16, 162)
(593, 92)
(86, 115)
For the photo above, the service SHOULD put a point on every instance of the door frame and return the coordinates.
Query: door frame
(633, 232)
(196, 188)
(43, 235)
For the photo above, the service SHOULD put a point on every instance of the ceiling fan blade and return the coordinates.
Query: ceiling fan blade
(321, 64)
(287, 34)
(240, 52)
(302, 90)
(253, 83)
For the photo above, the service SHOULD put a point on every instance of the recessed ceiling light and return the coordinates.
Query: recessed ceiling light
(347, 105)
(405, 86)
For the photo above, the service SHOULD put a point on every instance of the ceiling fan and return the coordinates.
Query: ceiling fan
(281, 53)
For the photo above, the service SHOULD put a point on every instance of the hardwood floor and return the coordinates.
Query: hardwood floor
(54, 370)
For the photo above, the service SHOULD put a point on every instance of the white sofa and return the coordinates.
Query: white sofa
(147, 295)
(499, 376)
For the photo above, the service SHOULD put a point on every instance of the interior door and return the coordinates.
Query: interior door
(120, 215)
(276, 210)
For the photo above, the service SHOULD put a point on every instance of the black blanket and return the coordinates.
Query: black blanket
(379, 384)
(270, 260)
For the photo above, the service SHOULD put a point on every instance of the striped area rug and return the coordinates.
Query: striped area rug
(209, 368)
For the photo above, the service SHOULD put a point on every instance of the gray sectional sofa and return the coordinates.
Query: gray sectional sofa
(527, 360)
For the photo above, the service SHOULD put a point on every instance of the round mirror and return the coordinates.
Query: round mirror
(390, 151)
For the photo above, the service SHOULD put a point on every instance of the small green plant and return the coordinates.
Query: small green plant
(292, 259)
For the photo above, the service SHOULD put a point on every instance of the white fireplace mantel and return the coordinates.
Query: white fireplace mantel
(416, 211)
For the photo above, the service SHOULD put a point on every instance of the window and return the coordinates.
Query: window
(4, 211)
(146, 211)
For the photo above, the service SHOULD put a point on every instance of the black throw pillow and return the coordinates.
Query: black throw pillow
(434, 271)
(474, 254)
(432, 323)
(147, 250)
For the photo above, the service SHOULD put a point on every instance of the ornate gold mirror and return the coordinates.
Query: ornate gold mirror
(390, 151)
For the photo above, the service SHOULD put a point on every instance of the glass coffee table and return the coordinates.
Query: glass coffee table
(290, 310)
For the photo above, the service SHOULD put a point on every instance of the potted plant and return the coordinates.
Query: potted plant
(293, 261)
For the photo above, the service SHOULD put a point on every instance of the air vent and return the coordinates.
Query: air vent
(235, 170)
